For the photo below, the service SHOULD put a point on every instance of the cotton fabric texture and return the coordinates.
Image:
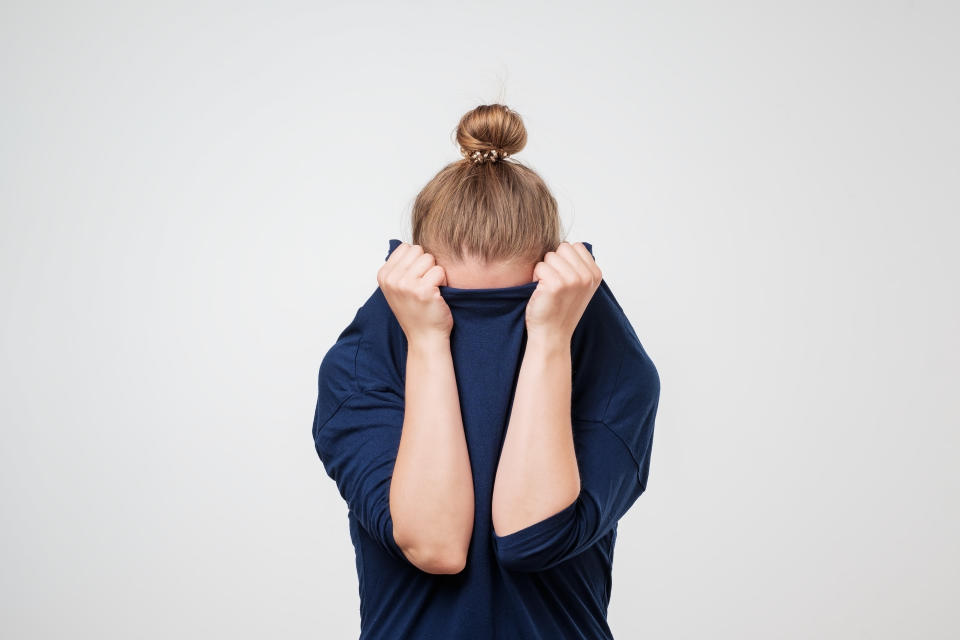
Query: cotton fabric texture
(550, 580)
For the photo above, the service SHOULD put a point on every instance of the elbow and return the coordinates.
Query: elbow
(436, 557)
(448, 564)
(433, 552)
(435, 560)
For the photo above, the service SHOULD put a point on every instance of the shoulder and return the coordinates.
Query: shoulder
(610, 364)
(369, 353)
(382, 357)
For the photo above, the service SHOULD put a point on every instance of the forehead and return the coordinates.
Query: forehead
(476, 274)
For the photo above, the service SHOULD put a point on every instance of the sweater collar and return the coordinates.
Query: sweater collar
(516, 291)
(461, 297)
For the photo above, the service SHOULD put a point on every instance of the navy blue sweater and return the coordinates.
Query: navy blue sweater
(550, 580)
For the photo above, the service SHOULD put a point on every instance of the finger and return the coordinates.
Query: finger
(411, 253)
(435, 276)
(546, 274)
(589, 262)
(561, 261)
(421, 265)
(388, 268)
(397, 254)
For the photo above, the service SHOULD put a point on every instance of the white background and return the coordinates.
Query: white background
(195, 200)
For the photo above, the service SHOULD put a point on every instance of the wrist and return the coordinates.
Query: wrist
(429, 343)
(548, 341)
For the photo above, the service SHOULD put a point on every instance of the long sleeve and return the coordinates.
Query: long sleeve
(613, 455)
(359, 419)
(358, 447)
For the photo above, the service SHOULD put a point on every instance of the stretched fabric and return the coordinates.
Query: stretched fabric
(550, 580)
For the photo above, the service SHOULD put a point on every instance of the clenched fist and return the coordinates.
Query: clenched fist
(409, 280)
(567, 279)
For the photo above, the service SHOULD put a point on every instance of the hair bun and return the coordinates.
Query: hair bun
(490, 133)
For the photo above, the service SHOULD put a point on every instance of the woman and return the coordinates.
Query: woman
(488, 414)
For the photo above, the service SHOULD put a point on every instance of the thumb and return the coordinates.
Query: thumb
(435, 276)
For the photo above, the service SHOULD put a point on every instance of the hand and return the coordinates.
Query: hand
(409, 280)
(568, 278)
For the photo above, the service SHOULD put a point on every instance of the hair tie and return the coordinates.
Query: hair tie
(478, 157)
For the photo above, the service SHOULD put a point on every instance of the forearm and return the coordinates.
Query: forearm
(431, 493)
(537, 474)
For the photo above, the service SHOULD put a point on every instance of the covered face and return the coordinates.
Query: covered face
(565, 558)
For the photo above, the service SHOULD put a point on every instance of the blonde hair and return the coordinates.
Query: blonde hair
(485, 204)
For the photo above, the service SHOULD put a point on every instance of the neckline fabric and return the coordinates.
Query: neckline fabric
(515, 292)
